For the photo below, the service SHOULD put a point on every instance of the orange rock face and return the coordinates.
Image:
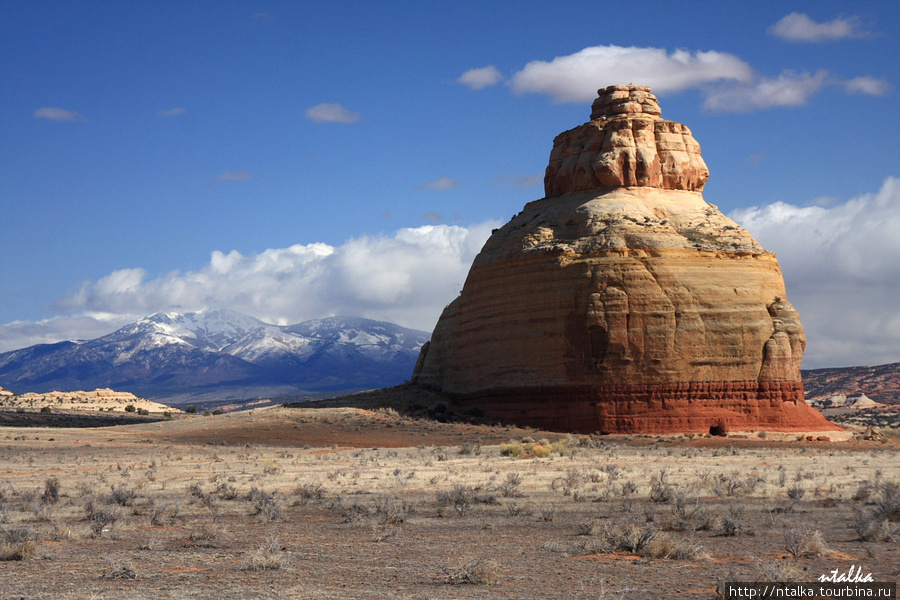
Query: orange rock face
(623, 302)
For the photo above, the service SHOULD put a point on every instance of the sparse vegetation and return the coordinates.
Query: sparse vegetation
(180, 513)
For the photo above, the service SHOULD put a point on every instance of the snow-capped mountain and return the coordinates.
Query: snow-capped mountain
(217, 352)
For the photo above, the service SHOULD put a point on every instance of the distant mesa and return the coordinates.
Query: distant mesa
(96, 400)
(622, 302)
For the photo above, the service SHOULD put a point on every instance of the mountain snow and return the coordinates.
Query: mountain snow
(166, 353)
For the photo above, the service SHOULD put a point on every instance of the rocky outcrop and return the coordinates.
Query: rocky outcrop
(622, 301)
(99, 399)
(625, 143)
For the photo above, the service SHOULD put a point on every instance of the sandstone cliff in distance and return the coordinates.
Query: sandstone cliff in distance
(622, 301)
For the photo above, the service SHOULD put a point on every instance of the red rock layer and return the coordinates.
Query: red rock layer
(657, 409)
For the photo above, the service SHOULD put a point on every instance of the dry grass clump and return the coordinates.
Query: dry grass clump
(644, 540)
(118, 570)
(477, 571)
(16, 544)
(803, 542)
(268, 557)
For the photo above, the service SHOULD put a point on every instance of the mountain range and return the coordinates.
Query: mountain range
(220, 354)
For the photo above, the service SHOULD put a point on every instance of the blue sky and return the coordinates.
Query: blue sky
(296, 159)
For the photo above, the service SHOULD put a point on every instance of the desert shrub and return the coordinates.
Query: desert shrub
(120, 495)
(864, 492)
(158, 517)
(564, 447)
(16, 544)
(628, 537)
(887, 501)
(539, 450)
(546, 514)
(100, 517)
(143, 411)
(733, 485)
(513, 450)
(389, 411)
(478, 571)
(130, 408)
(393, 510)
(467, 449)
(46, 409)
(871, 528)
(268, 508)
(795, 493)
(226, 491)
(167, 414)
(118, 570)
(207, 532)
(510, 486)
(310, 492)
(572, 480)
(800, 541)
(191, 410)
(460, 499)
(51, 491)
(269, 556)
(218, 411)
(668, 547)
(779, 571)
(660, 490)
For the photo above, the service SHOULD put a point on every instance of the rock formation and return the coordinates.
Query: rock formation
(622, 301)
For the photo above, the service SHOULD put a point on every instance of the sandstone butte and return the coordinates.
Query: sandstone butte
(622, 302)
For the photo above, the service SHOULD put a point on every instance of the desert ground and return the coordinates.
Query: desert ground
(367, 503)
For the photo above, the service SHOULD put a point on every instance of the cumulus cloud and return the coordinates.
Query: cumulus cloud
(867, 85)
(481, 78)
(87, 326)
(788, 89)
(576, 77)
(727, 83)
(172, 112)
(234, 176)
(440, 184)
(798, 27)
(57, 114)
(841, 264)
(406, 278)
(331, 113)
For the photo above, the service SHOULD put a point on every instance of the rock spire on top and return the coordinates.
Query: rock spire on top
(625, 144)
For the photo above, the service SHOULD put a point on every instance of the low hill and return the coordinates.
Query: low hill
(880, 383)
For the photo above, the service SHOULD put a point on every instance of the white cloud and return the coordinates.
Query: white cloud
(331, 113)
(798, 27)
(57, 114)
(788, 89)
(172, 112)
(481, 78)
(576, 77)
(406, 278)
(727, 83)
(234, 176)
(519, 181)
(87, 326)
(867, 85)
(440, 184)
(841, 264)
